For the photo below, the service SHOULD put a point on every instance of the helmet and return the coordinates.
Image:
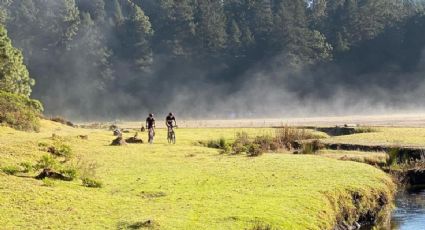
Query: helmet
(150, 114)
(171, 114)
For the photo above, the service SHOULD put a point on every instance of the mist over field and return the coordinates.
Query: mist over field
(121, 59)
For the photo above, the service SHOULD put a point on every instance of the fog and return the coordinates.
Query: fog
(89, 79)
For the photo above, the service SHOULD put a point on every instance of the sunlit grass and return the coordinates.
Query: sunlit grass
(386, 136)
(372, 158)
(180, 186)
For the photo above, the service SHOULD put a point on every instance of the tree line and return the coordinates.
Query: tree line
(106, 57)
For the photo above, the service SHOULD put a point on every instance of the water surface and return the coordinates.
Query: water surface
(410, 211)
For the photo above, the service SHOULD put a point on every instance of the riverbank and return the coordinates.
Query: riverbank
(184, 186)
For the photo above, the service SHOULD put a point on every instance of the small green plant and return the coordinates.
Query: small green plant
(215, 144)
(11, 170)
(46, 162)
(61, 149)
(69, 172)
(91, 182)
(27, 167)
(48, 182)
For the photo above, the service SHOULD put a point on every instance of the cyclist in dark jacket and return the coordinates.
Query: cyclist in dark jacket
(169, 120)
(150, 125)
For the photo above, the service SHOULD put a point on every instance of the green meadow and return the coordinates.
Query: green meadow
(182, 186)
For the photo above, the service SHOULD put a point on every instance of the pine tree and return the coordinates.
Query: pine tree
(211, 25)
(14, 76)
(139, 32)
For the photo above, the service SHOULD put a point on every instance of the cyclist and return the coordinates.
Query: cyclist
(169, 120)
(150, 124)
(169, 123)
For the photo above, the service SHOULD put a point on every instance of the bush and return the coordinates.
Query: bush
(20, 112)
(11, 170)
(69, 172)
(266, 143)
(312, 147)
(254, 150)
(238, 148)
(86, 169)
(215, 144)
(60, 149)
(46, 162)
(286, 136)
(91, 183)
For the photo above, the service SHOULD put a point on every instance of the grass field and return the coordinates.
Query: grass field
(385, 136)
(181, 186)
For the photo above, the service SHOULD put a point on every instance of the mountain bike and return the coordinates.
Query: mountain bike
(171, 137)
(151, 135)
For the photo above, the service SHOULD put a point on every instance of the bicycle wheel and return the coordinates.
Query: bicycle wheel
(173, 137)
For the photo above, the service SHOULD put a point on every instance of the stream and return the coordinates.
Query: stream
(410, 211)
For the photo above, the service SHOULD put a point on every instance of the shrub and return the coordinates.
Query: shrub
(60, 149)
(254, 150)
(238, 148)
(91, 182)
(312, 147)
(69, 172)
(11, 170)
(86, 169)
(46, 162)
(266, 142)
(20, 112)
(215, 144)
(242, 137)
(286, 136)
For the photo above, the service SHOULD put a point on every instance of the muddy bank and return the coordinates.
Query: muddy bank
(337, 131)
(367, 213)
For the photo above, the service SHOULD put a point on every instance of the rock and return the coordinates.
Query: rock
(83, 137)
(134, 140)
(119, 141)
(117, 132)
(51, 174)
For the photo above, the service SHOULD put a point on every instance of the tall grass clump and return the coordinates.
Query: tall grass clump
(286, 136)
(366, 130)
(311, 147)
(20, 112)
(10, 170)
